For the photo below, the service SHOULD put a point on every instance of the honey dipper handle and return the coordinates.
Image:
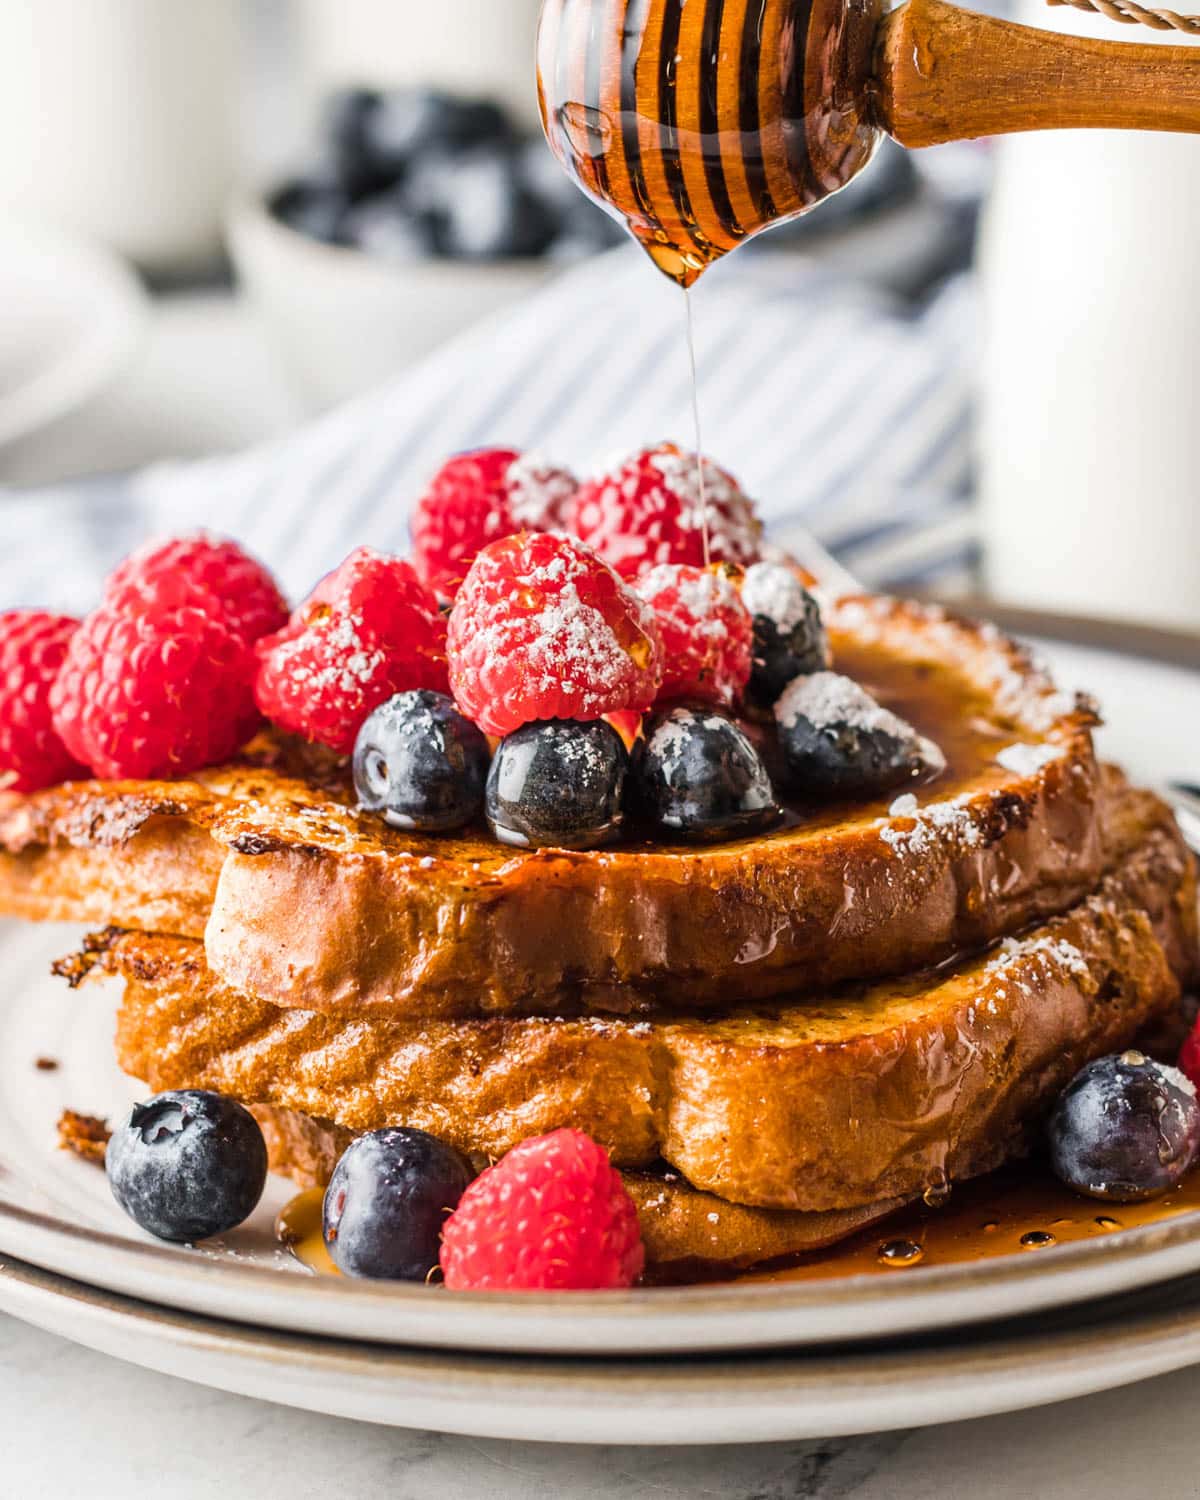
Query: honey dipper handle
(945, 74)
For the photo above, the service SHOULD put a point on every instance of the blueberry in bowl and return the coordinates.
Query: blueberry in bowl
(558, 783)
(187, 1165)
(1125, 1128)
(789, 635)
(420, 764)
(390, 1194)
(697, 776)
(838, 741)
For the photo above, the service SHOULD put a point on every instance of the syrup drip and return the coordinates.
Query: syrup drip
(691, 344)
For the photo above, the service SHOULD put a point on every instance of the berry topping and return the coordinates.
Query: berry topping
(155, 683)
(369, 630)
(246, 593)
(1189, 1055)
(706, 632)
(553, 1215)
(1125, 1128)
(789, 638)
(558, 784)
(32, 647)
(837, 740)
(420, 763)
(543, 629)
(647, 509)
(477, 498)
(387, 1201)
(697, 776)
(187, 1165)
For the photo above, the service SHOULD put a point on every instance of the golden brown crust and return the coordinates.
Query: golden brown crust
(312, 905)
(83, 1135)
(874, 1093)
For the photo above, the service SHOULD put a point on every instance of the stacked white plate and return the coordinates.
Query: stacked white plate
(704, 1364)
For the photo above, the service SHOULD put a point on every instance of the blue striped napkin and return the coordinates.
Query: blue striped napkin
(840, 412)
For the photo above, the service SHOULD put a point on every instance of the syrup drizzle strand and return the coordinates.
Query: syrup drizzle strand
(691, 343)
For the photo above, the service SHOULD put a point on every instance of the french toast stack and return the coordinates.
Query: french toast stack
(779, 1040)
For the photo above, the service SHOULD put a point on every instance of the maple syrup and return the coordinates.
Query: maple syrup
(700, 125)
(298, 1229)
(1020, 1210)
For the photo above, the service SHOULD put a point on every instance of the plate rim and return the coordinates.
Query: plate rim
(758, 1397)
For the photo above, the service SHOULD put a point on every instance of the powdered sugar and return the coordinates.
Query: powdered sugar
(1028, 760)
(349, 666)
(537, 492)
(1057, 950)
(826, 699)
(774, 591)
(951, 822)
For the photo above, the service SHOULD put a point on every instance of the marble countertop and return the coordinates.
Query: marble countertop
(77, 1423)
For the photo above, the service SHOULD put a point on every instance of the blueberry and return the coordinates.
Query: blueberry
(1125, 1128)
(837, 741)
(387, 1200)
(313, 207)
(420, 763)
(385, 225)
(480, 205)
(558, 783)
(697, 776)
(347, 117)
(789, 637)
(187, 1164)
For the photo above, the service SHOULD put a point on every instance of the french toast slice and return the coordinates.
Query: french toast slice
(305, 902)
(872, 1093)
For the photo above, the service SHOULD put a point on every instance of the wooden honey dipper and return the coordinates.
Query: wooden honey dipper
(701, 122)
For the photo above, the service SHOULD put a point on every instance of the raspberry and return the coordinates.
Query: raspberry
(245, 591)
(155, 683)
(369, 630)
(647, 510)
(543, 629)
(477, 498)
(553, 1215)
(1189, 1056)
(32, 646)
(707, 632)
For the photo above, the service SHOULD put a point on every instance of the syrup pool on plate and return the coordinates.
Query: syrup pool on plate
(1020, 1210)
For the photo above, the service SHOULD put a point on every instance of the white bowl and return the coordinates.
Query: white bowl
(343, 320)
(73, 315)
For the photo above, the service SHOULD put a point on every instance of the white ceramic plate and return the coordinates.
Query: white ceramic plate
(72, 317)
(56, 1212)
(667, 1402)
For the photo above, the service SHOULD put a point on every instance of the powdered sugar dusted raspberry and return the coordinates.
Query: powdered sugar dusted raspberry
(647, 508)
(478, 497)
(538, 493)
(543, 629)
(707, 633)
(369, 630)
